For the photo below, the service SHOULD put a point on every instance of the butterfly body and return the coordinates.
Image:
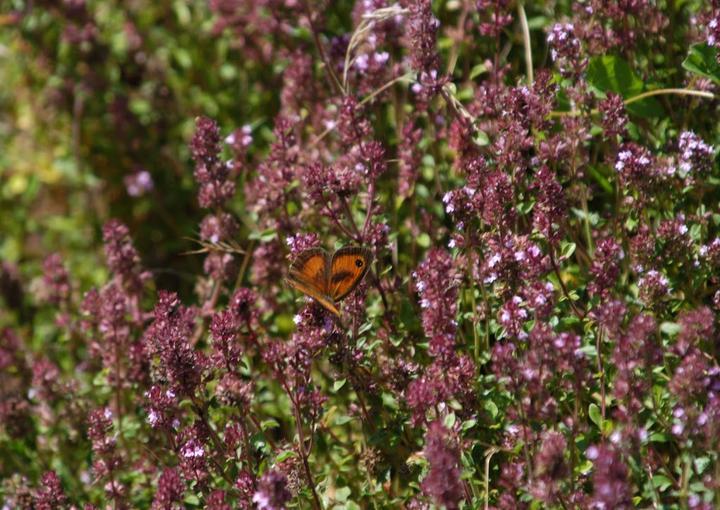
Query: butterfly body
(329, 278)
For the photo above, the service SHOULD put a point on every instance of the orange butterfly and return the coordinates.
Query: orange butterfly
(329, 279)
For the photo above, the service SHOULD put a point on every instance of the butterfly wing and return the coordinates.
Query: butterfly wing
(309, 273)
(347, 269)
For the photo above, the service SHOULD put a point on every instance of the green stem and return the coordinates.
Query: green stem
(679, 92)
(639, 97)
(526, 42)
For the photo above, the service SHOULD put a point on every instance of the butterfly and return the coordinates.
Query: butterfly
(328, 279)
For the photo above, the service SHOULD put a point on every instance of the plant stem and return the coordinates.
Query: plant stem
(639, 97)
(318, 44)
(488, 456)
(679, 92)
(526, 42)
(556, 270)
(601, 369)
(304, 455)
(244, 265)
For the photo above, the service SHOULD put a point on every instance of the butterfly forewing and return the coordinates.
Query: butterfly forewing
(347, 269)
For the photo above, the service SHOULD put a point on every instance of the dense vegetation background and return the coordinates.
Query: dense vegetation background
(537, 181)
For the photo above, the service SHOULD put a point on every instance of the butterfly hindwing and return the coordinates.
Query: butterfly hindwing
(347, 269)
(323, 299)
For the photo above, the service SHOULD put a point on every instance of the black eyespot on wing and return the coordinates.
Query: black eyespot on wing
(359, 262)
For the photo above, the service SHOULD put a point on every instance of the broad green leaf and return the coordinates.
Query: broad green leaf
(702, 60)
(609, 73)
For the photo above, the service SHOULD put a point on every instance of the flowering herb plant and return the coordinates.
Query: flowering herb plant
(537, 183)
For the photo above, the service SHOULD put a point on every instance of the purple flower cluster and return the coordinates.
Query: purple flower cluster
(170, 490)
(50, 495)
(713, 32)
(169, 339)
(696, 157)
(538, 328)
(122, 257)
(565, 49)
(614, 117)
(436, 282)
(139, 183)
(611, 479)
(272, 492)
(442, 482)
(422, 31)
(211, 172)
(635, 166)
(56, 281)
(550, 208)
(551, 467)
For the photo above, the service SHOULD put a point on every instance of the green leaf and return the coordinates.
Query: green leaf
(701, 463)
(609, 73)
(264, 236)
(670, 328)
(342, 420)
(192, 499)
(389, 400)
(661, 482)
(477, 71)
(449, 420)
(600, 179)
(702, 60)
(285, 455)
(338, 384)
(481, 138)
(491, 408)
(594, 413)
(658, 437)
(468, 424)
(567, 249)
(538, 22)
(269, 424)
(342, 494)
